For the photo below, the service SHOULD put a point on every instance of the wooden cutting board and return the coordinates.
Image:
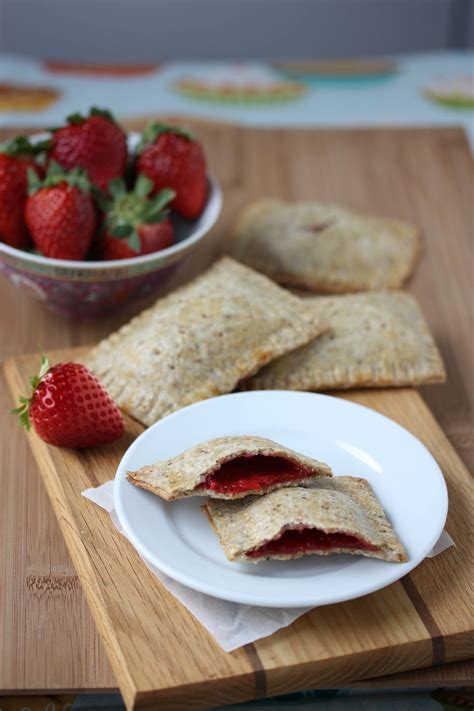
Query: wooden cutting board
(161, 654)
(424, 175)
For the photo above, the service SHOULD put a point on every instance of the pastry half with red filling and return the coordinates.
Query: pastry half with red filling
(229, 468)
(331, 515)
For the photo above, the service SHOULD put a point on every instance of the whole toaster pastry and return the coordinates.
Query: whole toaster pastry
(325, 248)
(372, 340)
(200, 341)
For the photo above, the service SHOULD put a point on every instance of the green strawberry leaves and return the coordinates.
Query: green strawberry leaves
(44, 367)
(19, 146)
(121, 229)
(77, 178)
(155, 129)
(133, 241)
(143, 186)
(117, 188)
(22, 146)
(42, 146)
(103, 113)
(23, 410)
(77, 118)
(34, 181)
(155, 208)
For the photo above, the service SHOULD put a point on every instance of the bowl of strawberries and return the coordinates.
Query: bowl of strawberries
(92, 217)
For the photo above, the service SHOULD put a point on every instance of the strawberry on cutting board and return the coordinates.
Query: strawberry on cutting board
(135, 224)
(95, 143)
(15, 160)
(172, 158)
(60, 213)
(68, 407)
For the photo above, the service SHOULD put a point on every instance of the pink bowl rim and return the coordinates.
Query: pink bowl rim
(209, 218)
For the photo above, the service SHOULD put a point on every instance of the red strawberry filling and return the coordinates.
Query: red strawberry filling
(307, 540)
(254, 473)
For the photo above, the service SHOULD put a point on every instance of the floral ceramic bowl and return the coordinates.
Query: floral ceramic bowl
(96, 288)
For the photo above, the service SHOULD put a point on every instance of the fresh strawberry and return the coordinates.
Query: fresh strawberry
(172, 158)
(60, 213)
(95, 143)
(68, 407)
(15, 160)
(135, 224)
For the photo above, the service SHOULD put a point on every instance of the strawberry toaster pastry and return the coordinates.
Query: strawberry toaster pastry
(331, 515)
(325, 248)
(200, 341)
(229, 468)
(373, 340)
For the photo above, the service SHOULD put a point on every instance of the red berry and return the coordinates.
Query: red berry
(134, 223)
(95, 143)
(70, 408)
(173, 159)
(60, 215)
(152, 238)
(15, 160)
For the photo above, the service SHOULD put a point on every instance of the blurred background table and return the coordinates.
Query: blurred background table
(400, 90)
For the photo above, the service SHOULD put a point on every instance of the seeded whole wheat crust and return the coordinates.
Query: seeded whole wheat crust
(339, 504)
(200, 341)
(179, 476)
(373, 340)
(325, 248)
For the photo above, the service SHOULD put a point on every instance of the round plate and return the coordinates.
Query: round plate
(177, 538)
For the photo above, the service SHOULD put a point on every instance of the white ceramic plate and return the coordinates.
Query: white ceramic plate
(177, 538)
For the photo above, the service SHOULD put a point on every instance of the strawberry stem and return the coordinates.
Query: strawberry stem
(34, 182)
(143, 186)
(23, 410)
(155, 208)
(22, 146)
(104, 113)
(117, 187)
(75, 119)
(77, 178)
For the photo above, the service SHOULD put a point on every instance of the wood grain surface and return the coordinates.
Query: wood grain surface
(410, 624)
(48, 637)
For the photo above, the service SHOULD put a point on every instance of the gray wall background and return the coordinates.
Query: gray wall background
(147, 30)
